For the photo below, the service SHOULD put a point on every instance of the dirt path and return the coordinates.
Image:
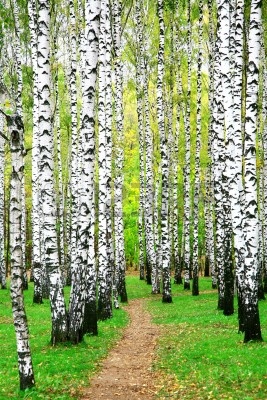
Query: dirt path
(126, 372)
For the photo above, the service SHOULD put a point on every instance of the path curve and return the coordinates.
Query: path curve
(126, 372)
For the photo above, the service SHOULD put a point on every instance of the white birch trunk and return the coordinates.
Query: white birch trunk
(165, 240)
(120, 261)
(88, 124)
(26, 374)
(104, 292)
(60, 197)
(47, 192)
(195, 288)
(264, 200)
(140, 71)
(251, 312)
(177, 259)
(18, 52)
(209, 203)
(2, 206)
(226, 19)
(108, 149)
(149, 200)
(82, 309)
(74, 138)
(218, 165)
(186, 230)
(36, 237)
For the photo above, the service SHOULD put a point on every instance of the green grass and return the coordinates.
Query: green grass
(201, 355)
(61, 371)
(137, 289)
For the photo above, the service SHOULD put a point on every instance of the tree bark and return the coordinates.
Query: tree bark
(26, 374)
(47, 193)
(252, 327)
(164, 240)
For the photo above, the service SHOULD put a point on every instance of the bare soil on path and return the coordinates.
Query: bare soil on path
(126, 373)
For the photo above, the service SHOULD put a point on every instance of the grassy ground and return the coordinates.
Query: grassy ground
(200, 354)
(59, 371)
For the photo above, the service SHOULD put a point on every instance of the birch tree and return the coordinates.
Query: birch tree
(177, 258)
(264, 184)
(82, 309)
(195, 289)
(140, 71)
(36, 235)
(187, 112)
(209, 199)
(104, 269)
(120, 262)
(47, 193)
(252, 327)
(26, 374)
(88, 128)
(164, 240)
(226, 37)
(218, 165)
(2, 206)
(73, 180)
(150, 228)
(18, 54)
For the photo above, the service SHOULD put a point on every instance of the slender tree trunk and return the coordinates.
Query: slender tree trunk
(47, 193)
(149, 197)
(92, 18)
(140, 71)
(82, 308)
(26, 374)
(186, 231)
(73, 180)
(252, 327)
(264, 177)
(2, 207)
(60, 190)
(227, 94)
(104, 293)
(169, 112)
(209, 203)
(120, 262)
(108, 149)
(177, 259)
(165, 240)
(36, 237)
(18, 53)
(260, 258)
(218, 165)
(195, 288)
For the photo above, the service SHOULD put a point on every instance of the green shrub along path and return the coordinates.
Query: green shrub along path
(199, 354)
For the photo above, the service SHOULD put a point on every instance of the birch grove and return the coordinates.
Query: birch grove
(132, 139)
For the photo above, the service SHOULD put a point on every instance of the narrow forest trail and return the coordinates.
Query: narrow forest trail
(126, 372)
